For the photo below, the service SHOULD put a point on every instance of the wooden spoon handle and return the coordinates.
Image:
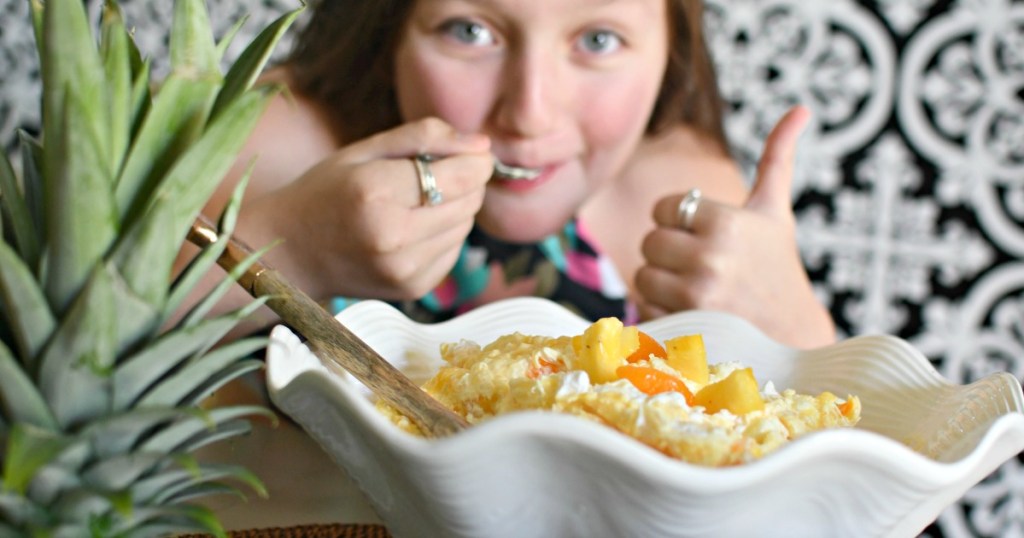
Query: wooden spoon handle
(331, 340)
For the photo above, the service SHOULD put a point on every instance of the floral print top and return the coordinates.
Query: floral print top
(564, 267)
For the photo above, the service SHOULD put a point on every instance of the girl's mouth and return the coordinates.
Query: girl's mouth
(508, 172)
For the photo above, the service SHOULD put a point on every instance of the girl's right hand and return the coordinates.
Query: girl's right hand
(355, 224)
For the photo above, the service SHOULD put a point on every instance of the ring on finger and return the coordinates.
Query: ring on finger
(430, 195)
(687, 211)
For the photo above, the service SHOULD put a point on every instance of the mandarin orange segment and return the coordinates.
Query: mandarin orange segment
(652, 381)
(648, 346)
(849, 408)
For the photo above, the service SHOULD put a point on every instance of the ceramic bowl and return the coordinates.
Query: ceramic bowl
(922, 441)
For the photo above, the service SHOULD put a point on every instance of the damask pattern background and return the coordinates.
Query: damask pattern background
(910, 181)
(910, 185)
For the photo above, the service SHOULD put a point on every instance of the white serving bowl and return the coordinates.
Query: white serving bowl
(922, 441)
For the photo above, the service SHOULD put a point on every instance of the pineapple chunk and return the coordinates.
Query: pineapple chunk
(630, 341)
(686, 354)
(603, 348)
(738, 393)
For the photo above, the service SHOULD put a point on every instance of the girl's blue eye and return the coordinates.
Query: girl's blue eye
(600, 41)
(469, 32)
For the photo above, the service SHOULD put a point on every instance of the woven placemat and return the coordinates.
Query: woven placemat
(310, 531)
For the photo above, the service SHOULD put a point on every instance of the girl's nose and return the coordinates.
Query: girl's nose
(530, 98)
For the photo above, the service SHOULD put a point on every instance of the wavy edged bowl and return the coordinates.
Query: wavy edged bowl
(922, 441)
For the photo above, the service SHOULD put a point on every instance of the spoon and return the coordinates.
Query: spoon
(517, 173)
(330, 340)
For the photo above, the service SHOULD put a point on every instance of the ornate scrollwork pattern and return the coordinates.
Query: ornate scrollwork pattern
(910, 184)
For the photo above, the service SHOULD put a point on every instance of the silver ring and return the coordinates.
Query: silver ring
(688, 209)
(430, 195)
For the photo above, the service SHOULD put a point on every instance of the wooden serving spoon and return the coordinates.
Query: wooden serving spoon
(330, 340)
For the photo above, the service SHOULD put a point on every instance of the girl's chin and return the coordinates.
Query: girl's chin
(528, 217)
(519, 231)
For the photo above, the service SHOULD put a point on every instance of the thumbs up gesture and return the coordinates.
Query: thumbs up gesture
(742, 260)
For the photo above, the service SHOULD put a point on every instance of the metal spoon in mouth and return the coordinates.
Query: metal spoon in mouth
(517, 173)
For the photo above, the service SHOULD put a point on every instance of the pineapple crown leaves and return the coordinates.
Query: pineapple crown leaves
(189, 474)
(99, 399)
(208, 257)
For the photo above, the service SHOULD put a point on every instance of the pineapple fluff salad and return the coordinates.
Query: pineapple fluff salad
(667, 396)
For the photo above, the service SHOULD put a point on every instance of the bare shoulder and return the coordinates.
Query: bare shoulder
(294, 132)
(681, 159)
(291, 136)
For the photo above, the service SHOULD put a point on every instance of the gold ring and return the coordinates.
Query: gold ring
(430, 195)
(687, 211)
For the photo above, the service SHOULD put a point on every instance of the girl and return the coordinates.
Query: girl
(442, 154)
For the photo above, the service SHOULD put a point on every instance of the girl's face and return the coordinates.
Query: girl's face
(563, 85)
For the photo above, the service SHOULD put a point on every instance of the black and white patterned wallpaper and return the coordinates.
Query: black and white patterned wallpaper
(910, 181)
(910, 185)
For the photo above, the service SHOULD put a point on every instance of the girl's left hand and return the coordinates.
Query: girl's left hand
(742, 260)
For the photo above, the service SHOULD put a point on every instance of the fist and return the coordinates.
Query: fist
(743, 260)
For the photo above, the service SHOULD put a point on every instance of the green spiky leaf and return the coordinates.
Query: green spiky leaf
(19, 398)
(200, 265)
(222, 378)
(81, 216)
(28, 449)
(250, 64)
(176, 517)
(173, 390)
(81, 507)
(7, 531)
(36, 7)
(182, 494)
(81, 220)
(32, 190)
(117, 434)
(226, 430)
(75, 367)
(24, 306)
(119, 472)
(175, 435)
(18, 510)
(149, 488)
(192, 45)
(179, 197)
(163, 134)
(141, 100)
(141, 371)
(15, 210)
(115, 49)
(200, 311)
(51, 481)
(229, 37)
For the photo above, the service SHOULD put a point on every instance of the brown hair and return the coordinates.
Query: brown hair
(343, 58)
